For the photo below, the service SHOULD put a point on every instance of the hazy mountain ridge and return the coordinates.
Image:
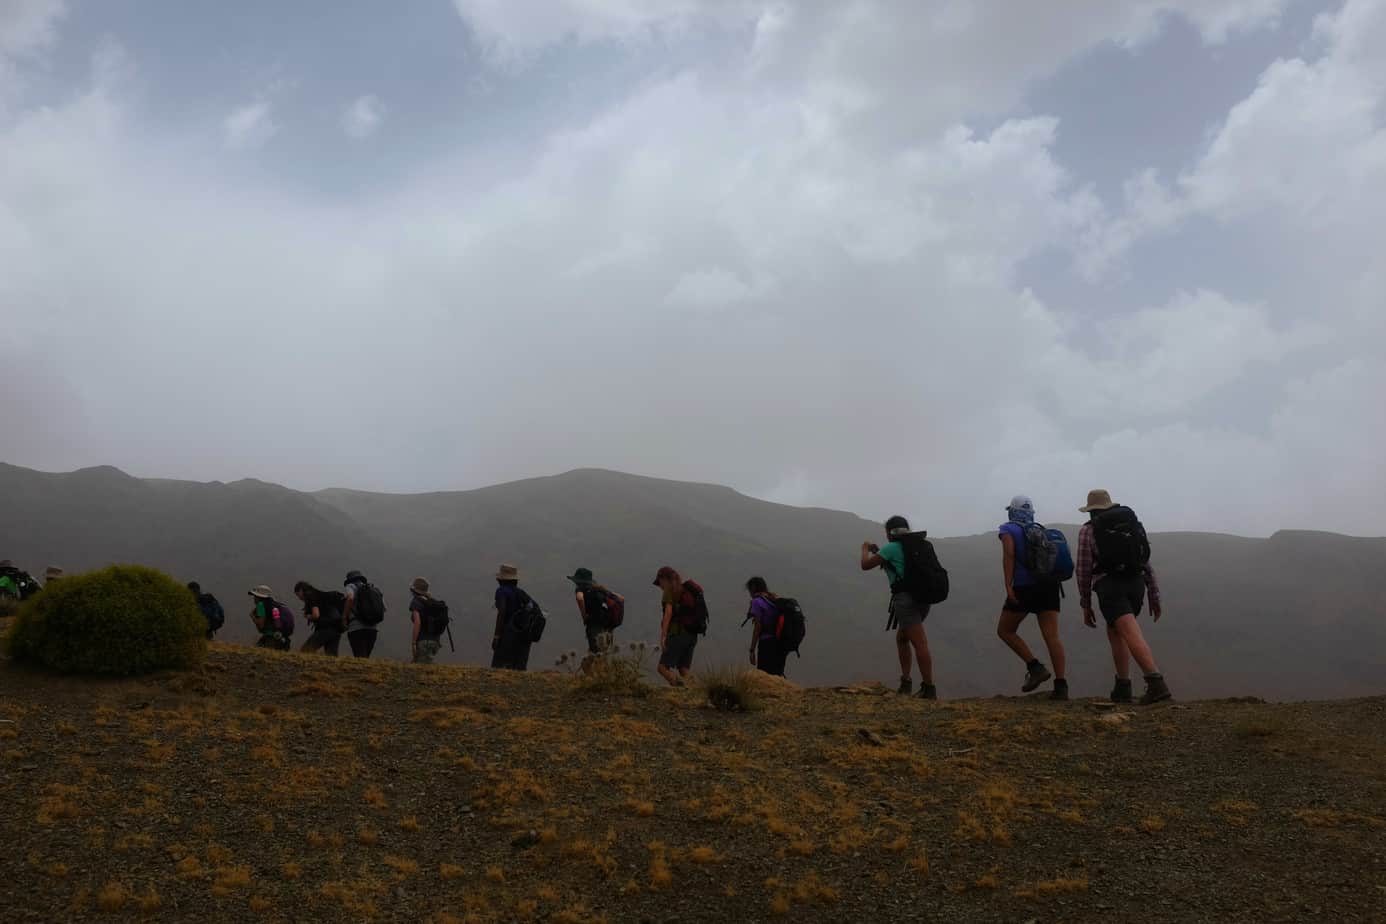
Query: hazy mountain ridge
(1296, 615)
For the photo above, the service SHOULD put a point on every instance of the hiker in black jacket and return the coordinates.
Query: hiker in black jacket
(323, 611)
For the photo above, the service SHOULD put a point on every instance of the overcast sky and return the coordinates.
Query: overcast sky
(878, 255)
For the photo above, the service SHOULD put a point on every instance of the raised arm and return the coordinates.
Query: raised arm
(870, 556)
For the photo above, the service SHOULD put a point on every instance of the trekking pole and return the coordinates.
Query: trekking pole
(450, 644)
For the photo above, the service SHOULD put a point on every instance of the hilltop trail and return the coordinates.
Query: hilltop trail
(282, 787)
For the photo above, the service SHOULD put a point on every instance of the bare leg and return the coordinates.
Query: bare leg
(1006, 628)
(1121, 655)
(1049, 628)
(902, 648)
(920, 642)
(1134, 639)
(669, 676)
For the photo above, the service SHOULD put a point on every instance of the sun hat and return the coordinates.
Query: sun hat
(507, 573)
(664, 573)
(354, 576)
(261, 591)
(1098, 499)
(582, 577)
(53, 573)
(419, 586)
(1020, 502)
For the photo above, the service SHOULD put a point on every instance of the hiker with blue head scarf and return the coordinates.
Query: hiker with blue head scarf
(1023, 543)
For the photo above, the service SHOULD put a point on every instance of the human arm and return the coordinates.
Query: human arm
(582, 606)
(1082, 572)
(755, 631)
(664, 624)
(1008, 563)
(870, 556)
(414, 639)
(348, 606)
(313, 614)
(500, 623)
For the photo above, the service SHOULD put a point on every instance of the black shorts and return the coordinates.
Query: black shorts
(1036, 598)
(678, 651)
(1119, 595)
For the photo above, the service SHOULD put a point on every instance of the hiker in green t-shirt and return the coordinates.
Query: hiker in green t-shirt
(906, 613)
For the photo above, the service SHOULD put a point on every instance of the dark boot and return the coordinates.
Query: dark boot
(1155, 690)
(906, 686)
(1121, 693)
(927, 691)
(1060, 693)
(1035, 675)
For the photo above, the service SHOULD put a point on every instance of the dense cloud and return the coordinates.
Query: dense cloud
(819, 254)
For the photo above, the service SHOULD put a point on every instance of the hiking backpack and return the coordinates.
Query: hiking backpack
(926, 580)
(611, 607)
(370, 605)
(791, 629)
(692, 614)
(1122, 546)
(528, 619)
(433, 618)
(1047, 556)
(283, 618)
(211, 608)
(23, 583)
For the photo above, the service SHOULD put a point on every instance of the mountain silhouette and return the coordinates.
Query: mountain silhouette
(1294, 616)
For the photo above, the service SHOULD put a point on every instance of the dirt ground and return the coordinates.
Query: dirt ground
(284, 787)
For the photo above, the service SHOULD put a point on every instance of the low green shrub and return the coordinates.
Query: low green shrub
(125, 619)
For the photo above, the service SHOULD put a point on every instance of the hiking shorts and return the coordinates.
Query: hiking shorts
(1037, 598)
(426, 650)
(324, 640)
(598, 639)
(770, 656)
(1119, 594)
(906, 612)
(678, 651)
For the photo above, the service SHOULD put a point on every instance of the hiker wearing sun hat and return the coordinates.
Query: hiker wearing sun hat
(1114, 561)
(429, 616)
(601, 611)
(1027, 547)
(274, 620)
(519, 622)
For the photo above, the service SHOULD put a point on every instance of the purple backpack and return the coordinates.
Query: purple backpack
(283, 618)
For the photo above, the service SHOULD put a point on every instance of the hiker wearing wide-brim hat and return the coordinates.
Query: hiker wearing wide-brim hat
(601, 610)
(272, 618)
(1098, 500)
(511, 641)
(1114, 562)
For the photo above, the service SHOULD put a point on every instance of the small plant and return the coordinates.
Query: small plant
(730, 689)
(125, 619)
(618, 671)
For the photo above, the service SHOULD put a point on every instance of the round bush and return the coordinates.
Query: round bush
(125, 619)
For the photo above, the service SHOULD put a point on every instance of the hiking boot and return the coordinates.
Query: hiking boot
(906, 686)
(1155, 690)
(1121, 693)
(927, 691)
(1035, 676)
(1060, 693)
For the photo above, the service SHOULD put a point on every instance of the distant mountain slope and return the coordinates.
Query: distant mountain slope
(1298, 615)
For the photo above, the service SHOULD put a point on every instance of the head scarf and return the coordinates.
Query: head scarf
(1021, 516)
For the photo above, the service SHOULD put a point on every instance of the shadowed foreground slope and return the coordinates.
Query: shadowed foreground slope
(377, 791)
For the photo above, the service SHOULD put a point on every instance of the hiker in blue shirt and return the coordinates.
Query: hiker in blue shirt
(1026, 593)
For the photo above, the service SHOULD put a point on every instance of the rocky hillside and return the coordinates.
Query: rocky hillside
(277, 787)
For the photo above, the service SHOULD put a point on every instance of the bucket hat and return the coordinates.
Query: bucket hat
(507, 573)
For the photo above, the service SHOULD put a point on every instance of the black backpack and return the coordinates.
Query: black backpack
(693, 615)
(528, 619)
(24, 584)
(211, 608)
(926, 580)
(433, 618)
(370, 605)
(1122, 546)
(791, 629)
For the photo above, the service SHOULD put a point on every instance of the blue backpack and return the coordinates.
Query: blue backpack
(1047, 556)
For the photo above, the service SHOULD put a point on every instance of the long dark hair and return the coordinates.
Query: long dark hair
(323, 599)
(756, 586)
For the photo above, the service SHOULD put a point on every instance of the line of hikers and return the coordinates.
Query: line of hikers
(1113, 562)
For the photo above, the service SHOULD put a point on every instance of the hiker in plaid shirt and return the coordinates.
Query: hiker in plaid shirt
(1121, 575)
